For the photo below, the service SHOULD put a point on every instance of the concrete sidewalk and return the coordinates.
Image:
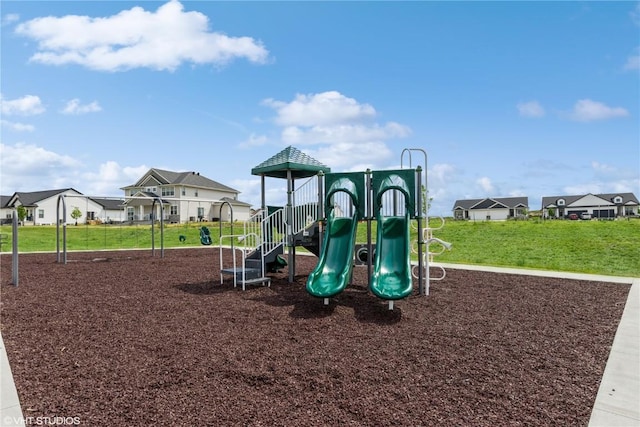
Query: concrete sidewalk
(10, 411)
(617, 401)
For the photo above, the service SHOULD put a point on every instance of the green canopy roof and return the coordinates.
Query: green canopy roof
(290, 159)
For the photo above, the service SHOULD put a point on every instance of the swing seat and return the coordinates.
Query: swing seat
(205, 236)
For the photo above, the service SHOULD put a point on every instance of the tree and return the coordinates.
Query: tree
(22, 213)
(76, 213)
(426, 201)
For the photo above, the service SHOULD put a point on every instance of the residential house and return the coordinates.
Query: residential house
(491, 208)
(6, 213)
(606, 205)
(44, 207)
(112, 210)
(185, 196)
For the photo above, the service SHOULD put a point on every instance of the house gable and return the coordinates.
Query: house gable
(150, 181)
(589, 200)
(489, 204)
(31, 199)
(492, 203)
(465, 204)
(162, 178)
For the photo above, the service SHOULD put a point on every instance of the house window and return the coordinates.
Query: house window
(560, 202)
(196, 193)
(200, 214)
(91, 216)
(130, 214)
(41, 213)
(151, 189)
(168, 191)
(173, 210)
(617, 199)
(184, 191)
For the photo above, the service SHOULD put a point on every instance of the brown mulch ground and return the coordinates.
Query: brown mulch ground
(123, 338)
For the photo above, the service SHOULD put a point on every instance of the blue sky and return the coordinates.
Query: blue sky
(507, 98)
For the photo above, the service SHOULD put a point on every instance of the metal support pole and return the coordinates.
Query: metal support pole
(289, 225)
(320, 209)
(369, 215)
(64, 228)
(14, 247)
(421, 286)
(153, 220)
(263, 204)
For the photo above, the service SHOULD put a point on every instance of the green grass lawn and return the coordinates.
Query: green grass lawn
(598, 247)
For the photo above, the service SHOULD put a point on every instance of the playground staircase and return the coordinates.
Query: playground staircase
(256, 251)
(273, 261)
(259, 249)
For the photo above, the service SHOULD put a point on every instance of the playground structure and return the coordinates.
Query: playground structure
(325, 222)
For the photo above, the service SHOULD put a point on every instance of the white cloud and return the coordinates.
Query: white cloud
(517, 193)
(346, 133)
(485, 184)
(250, 192)
(321, 109)
(440, 173)
(10, 18)
(348, 156)
(635, 14)
(109, 178)
(17, 127)
(343, 129)
(254, 141)
(603, 168)
(135, 38)
(633, 61)
(586, 110)
(27, 167)
(74, 107)
(531, 109)
(28, 105)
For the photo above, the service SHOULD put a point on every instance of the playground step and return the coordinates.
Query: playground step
(252, 276)
(253, 264)
(249, 273)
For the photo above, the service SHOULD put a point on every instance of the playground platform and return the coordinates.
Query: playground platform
(616, 403)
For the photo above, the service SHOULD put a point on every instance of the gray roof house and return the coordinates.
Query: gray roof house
(491, 208)
(43, 207)
(185, 196)
(605, 205)
(6, 212)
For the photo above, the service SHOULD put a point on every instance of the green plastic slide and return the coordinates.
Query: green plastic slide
(333, 272)
(391, 278)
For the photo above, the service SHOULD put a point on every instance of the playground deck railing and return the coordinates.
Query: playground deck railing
(265, 232)
(305, 205)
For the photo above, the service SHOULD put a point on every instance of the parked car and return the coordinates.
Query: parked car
(585, 215)
(573, 217)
